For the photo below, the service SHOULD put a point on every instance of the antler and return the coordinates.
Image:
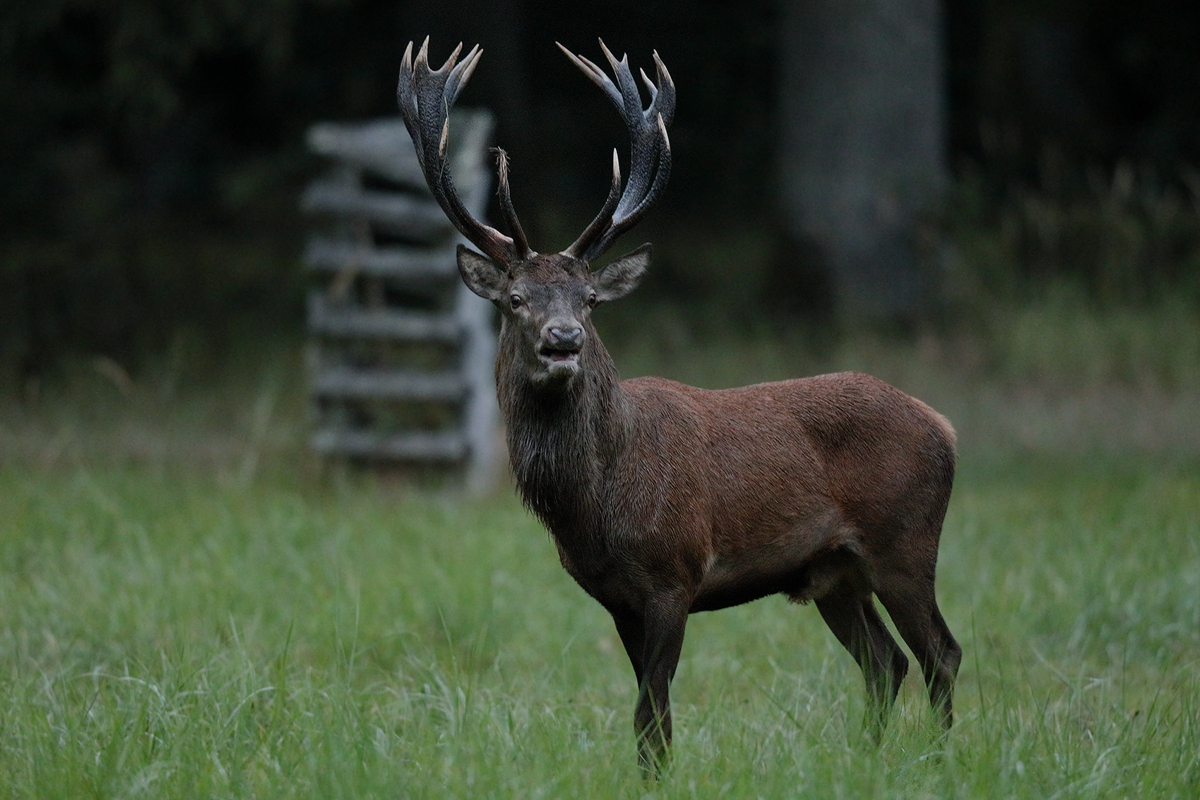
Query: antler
(650, 150)
(425, 97)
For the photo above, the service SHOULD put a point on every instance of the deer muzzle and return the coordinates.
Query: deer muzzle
(560, 348)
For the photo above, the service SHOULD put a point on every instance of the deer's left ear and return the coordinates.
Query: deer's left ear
(620, 277)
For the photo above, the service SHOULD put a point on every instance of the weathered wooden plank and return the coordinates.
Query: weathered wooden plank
(412, 215)
(384, 148)
(408, 446)
(393, 384)
(332, 319)
(408, 263)
(381, 146)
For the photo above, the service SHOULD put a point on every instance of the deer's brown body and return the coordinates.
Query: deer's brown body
(664, 499)
(732, 495)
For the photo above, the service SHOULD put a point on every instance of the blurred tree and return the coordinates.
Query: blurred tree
(152, 151)
(861, 144)
(144, 141)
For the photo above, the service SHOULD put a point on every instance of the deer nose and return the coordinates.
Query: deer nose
(564, 337)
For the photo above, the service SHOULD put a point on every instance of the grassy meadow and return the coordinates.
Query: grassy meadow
(190, 606)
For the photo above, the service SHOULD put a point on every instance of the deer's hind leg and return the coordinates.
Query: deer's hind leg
(914, 610)
(854, 620)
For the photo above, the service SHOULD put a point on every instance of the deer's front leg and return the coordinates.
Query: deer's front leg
(633, 637)
(662, 629)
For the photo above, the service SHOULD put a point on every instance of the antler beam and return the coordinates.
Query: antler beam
(650, 149)
(425, 97)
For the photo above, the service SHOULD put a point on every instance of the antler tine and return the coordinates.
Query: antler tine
(631, 98)
(506, 205)
(664, 80)
(425, 97)
(601, 220)
(596, 76)
(650, 149)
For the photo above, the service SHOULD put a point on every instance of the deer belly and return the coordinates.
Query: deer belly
(731, 584)
(796, 561)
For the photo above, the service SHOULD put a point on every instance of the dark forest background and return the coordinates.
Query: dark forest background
(152, 152)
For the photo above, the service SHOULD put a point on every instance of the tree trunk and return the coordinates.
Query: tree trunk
(861, 144)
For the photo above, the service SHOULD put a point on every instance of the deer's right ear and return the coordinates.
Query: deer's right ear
(480, 274)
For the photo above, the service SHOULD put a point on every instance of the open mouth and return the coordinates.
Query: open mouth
(556, 358)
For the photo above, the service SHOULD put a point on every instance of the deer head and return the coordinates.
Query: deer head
(545, 300)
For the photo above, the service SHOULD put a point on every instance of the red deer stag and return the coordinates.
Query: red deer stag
(664, 499)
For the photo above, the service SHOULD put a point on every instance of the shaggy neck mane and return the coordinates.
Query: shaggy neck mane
(562, 440)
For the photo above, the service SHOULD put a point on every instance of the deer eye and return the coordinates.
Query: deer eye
(592, 300)
(515, 301)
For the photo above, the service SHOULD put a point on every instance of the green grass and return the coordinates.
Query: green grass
(191, 607)
(176, 635)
